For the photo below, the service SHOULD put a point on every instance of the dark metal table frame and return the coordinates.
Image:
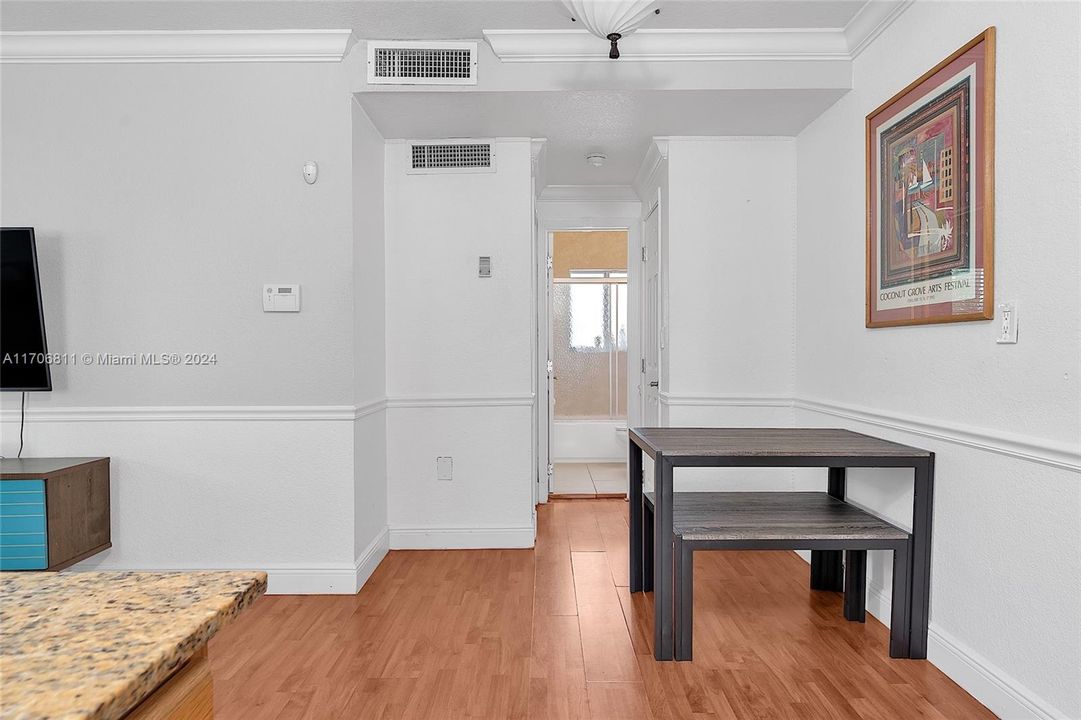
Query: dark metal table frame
(826, 565)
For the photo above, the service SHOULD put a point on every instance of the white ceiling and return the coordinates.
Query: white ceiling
(617, 116)
(618, 123)
(404, 19)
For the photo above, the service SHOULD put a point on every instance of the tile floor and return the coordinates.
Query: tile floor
(589, 479)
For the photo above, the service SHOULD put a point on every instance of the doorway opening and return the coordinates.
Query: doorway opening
(588, 349)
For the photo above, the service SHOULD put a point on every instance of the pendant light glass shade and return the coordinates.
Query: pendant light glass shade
(610, 19)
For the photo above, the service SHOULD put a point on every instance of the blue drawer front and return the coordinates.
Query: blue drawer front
(26, 507)
(13, 486)
(22, 551)
(23, 543)
(22, 524)
(34, 563)
(12, 539)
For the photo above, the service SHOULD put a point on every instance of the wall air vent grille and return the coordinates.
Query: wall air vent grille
(452, 157)
(414, 63)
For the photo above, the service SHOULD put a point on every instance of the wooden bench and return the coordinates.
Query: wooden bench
(781, 521)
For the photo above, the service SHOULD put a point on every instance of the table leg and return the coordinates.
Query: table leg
(647, 547)
(920, 579)
(683, 556)
(899, 620)
(634, 498)
(856, 585)
(662, 560)
(827, 572)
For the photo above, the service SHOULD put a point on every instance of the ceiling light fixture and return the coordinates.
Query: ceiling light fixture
(611, 19)
(596, 159)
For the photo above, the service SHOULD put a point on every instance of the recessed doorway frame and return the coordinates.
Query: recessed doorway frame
(547, 226)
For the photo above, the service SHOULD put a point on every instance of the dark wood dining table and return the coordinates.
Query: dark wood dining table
(835, 449)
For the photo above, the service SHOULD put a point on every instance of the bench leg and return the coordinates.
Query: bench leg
(634, 509)
(647, 547)
(900, 604)
(856, 585)
(826, 570)
(683, 558)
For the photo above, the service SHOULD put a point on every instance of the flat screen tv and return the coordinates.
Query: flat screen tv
(23, 350)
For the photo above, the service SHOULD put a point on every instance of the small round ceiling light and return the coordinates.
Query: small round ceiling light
(596, 159)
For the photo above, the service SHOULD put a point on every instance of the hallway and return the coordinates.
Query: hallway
(553, 633)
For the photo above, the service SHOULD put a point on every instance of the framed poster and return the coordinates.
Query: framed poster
(930, 194)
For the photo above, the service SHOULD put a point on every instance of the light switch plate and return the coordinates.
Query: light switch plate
(281, 298)
(1007, 327)
(444, 468)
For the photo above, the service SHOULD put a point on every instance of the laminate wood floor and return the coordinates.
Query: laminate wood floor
(553, 633)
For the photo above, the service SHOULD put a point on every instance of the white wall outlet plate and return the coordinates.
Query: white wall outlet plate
(444, 468)
(1007, 323)
(281, 298)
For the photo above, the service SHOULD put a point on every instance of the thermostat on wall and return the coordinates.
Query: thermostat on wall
(281, 298)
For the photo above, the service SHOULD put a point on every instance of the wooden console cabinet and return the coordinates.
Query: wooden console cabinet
(54, 512)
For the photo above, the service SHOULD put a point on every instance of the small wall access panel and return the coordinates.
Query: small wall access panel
(54, 512)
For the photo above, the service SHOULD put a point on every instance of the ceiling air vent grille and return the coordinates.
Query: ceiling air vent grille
(416, 63)
(452, 157)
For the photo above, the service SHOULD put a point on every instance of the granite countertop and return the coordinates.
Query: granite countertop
(92, 645)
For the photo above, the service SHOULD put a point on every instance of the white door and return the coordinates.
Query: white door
(651, 320)
(551, 387)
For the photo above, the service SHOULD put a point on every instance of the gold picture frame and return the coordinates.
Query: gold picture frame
(930, 194)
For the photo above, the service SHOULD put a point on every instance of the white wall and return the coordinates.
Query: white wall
(369, 344)
(729, 275)
(589, 441)
(459, 366)
(1002, 419)
(163, 196)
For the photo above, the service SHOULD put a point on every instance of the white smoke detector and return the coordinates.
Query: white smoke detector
(596, 159)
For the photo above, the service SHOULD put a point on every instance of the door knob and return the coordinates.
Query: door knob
(655, 383)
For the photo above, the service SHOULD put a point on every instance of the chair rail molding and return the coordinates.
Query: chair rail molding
(184, 413)
(443, 401)
(686, 400)
(1023, 447)
(176, 46)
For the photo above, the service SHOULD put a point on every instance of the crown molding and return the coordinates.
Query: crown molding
(655, 45)
(670, 45)
(167, 46)
(870, 21)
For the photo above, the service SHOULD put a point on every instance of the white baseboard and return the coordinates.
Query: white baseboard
(330, 580)
(459, 538)
(1001, 694)
(370, 558)
(320, 579)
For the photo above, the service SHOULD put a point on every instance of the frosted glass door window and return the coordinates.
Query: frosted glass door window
(590, 345)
